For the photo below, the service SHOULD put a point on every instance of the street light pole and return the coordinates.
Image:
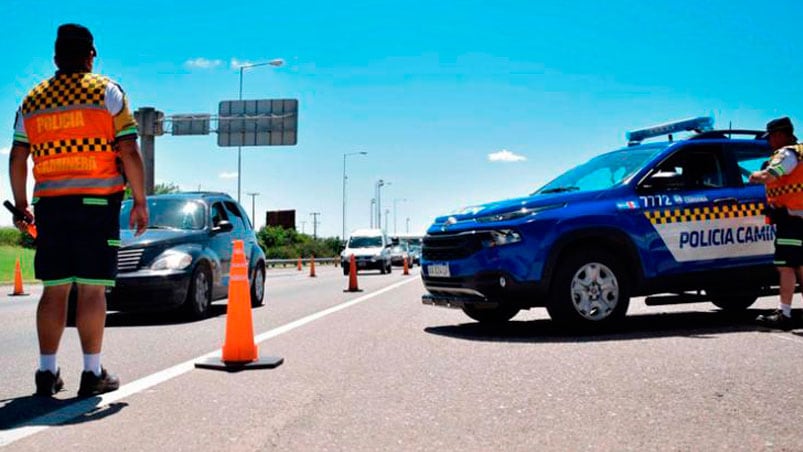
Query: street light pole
(253, 217)
(276, 63)
(379, 184)
(387, 214)
(372, 216)
(395, 200)
(343, 237)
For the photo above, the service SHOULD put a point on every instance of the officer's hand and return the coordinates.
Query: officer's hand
(759, 177)
(138, 217)
(22, 225)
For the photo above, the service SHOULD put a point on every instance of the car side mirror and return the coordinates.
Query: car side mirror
(223, 226)
(663, 180)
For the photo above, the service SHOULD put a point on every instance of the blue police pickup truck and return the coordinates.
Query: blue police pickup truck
(676, 221)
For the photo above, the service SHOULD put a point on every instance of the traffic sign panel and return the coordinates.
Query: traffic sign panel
(267, 122)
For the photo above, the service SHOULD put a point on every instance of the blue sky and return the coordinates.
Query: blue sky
(455, 102)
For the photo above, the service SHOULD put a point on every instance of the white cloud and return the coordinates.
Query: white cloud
(5, 150)
(202, 63)
(505, 156)
(235, 63)
(231, 175)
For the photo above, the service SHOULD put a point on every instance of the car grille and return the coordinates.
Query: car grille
(128, 260)
(452, 246)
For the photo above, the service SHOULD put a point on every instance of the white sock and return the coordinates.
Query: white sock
(48, 362)
(786, 309)
(92, 363)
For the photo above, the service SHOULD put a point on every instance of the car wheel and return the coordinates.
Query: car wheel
(390, 267)
(258, 286)
(345, 271)
(590, 289)
(383, 269)
(199, 295)
(499, 314)
(733, 301)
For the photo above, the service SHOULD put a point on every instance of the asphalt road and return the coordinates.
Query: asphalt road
(377, 370)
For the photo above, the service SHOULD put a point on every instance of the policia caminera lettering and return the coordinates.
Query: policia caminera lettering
(726, 236)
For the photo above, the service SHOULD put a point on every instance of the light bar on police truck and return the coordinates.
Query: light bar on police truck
(700, 124)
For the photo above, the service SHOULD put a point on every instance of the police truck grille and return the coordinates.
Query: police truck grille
(452, 246)
(128, 260)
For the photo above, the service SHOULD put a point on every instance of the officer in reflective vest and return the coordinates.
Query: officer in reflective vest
(77, 128)
(783, 178)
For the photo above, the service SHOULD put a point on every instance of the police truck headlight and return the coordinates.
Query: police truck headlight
(502, 237)
(515, 214)
(172, 260)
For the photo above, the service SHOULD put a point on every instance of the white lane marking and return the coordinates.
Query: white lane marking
(93, 403)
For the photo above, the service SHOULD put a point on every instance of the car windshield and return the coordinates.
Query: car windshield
(365, 242)
(602, 172)
(169, 214)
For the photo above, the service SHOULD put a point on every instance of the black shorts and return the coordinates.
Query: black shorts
(78, 238)
(788, 241)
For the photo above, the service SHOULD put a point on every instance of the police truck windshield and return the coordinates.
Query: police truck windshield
(602, 172)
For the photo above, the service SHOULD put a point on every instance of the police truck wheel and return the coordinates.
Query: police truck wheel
(199, 295)
(499, 314)
(732, 302)
(258, 286)
(590, 290)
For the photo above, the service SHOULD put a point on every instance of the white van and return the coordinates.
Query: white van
(371, 250)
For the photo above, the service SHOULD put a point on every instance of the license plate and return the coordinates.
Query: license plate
(438, 270)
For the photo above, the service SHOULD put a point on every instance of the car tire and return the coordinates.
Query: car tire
(390, 267)
(733, 301)
(590, 290)
(496, 315)
(199, 295)
(345, 271)
(258, 286)
(383, 269)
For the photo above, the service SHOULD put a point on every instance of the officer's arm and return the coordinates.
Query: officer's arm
(18, 174)
(135, 172)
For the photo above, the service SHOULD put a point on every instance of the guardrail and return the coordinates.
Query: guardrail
(294, 262)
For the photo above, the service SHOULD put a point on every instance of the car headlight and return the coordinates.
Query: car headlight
(501, 237)
(172, 260)
(523, 212)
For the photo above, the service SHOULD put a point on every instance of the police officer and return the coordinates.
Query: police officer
(77, 128)
(783, 178)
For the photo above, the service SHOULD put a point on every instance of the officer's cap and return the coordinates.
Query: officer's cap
(779, 125)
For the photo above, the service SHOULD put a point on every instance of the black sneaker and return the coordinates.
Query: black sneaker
(47, 383)
(776, 320)
(92, 384)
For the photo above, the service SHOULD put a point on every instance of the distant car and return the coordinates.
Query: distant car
(182, 261)
(399, 252)
(415, 252)
(371, 250)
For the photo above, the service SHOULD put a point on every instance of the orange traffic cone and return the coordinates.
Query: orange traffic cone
(353, 276)
(239, 349)
(18, 280)
(312, 266)
(299, 263)
(406, 266)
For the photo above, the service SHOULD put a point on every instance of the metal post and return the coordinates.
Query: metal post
(372, 216)
(387, 214)
(408, 225)
(146, 117)
(253, 218)
(343, 237)
(315, 224)
(395, 200)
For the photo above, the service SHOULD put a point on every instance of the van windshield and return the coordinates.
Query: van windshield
(365, 242)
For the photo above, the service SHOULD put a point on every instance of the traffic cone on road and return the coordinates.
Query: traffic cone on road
(239, 350)
(406, 267)
(312, 266)
(18, 280)
(299, 263)
(352, 276)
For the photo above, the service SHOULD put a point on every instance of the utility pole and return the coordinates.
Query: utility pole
(314, 216)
